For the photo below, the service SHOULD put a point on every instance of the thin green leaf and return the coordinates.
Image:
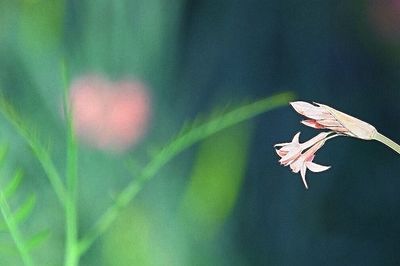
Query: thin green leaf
(22, 213)
(37, 239)
(25, 210)
(13, 184)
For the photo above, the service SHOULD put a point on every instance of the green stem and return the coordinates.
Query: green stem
(15, 233)
(388, 142)
(71, 242)
(71, 215)
(175, 147)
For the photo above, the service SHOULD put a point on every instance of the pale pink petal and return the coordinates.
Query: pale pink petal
(281, 144)
(301, 107)
(296, 138)
(314, 140)
(310, 153)
(316, 167)
(341, 129)
(290, 156)
(288, 146)
(312, 123)
(296, 165)
(317, 113)
(281, 153)
(303, 175)
(311, 111)
(329, 123)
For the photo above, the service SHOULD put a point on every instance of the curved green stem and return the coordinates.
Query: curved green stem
(171, 150)
(388, 142)
(71, 214)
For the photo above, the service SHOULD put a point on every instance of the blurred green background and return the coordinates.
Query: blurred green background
(226, 201)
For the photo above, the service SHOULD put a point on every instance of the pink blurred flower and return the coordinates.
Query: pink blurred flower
(109, 115)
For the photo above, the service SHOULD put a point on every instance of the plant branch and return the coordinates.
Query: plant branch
(38, 149)
(14, 231)
(176, 146)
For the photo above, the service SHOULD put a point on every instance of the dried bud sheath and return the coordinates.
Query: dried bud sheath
(356, 127)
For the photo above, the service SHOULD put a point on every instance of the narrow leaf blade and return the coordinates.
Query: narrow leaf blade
(37, 239)
(13, 184)
(25, 210)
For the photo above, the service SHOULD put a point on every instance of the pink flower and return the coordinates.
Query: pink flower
(109, 115)
(300, 156)
(289, 151)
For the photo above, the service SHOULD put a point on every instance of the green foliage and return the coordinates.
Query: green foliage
(191, 134)
(12, 219)
(23, 212)
(13, 184)
(37, 239)
(40, 151)
(215, 181)
(134, 229)
(188, 137)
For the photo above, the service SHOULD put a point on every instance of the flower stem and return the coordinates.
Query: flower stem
(71, 246)
(388, 142)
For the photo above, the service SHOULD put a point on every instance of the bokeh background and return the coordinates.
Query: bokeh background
(225, 201)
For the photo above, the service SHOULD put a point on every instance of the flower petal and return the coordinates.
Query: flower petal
(316, 167)
(341, 129)
(311, 111)
(312, 123)
(281, 144)
(281, 153)
(301, 106)
(295, 141)
(303, 175)
(317, 113)
(311, 142)
(296, 138)
(290, 156)
(330, 123)
(296, 165)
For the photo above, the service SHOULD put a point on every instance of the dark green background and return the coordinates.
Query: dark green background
(197, 55)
